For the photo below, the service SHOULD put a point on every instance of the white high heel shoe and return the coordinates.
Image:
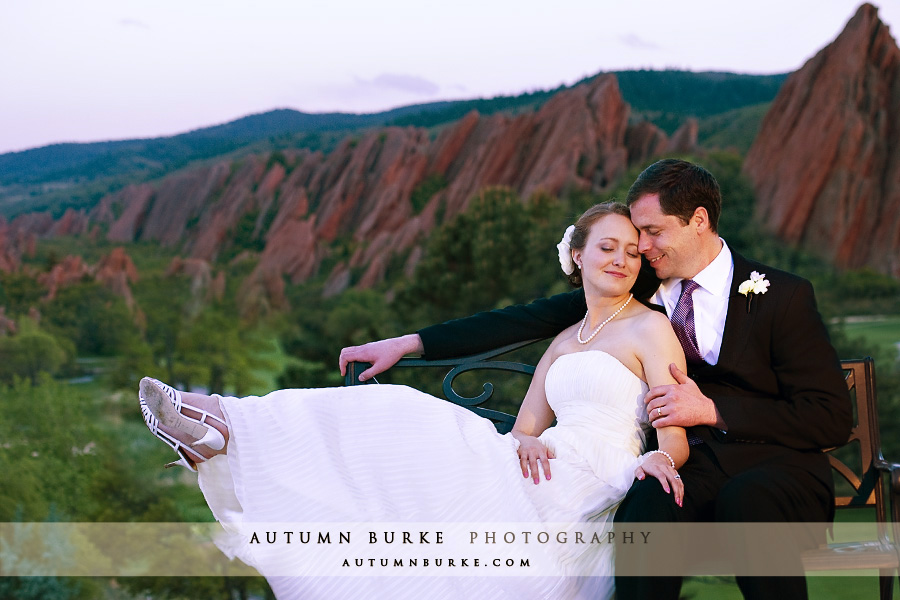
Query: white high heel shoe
(163, 404)
(184, 459)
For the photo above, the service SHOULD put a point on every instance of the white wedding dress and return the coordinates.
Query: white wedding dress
(378, 454)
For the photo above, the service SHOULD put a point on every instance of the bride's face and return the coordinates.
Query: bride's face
(610, 260)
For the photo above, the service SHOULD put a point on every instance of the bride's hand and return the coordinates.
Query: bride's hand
(656, 465)
(531, 451)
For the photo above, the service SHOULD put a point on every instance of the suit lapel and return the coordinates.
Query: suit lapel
(738, 322)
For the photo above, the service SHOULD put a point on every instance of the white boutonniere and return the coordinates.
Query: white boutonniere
(757, 284)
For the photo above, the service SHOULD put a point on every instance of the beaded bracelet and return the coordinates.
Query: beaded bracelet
(663, 452)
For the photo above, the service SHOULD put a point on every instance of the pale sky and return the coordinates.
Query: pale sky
(91, 70)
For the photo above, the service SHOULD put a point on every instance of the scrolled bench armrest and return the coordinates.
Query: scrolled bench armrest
(455, 366)
(483, 359)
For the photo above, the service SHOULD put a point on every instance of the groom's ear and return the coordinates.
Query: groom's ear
(700, 220)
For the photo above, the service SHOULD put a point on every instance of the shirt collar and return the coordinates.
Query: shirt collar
(715, 278)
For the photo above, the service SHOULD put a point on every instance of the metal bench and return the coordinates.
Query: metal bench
(870, 479)
(873, 482)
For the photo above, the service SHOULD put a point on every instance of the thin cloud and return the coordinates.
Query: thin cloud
(387, 90)
(634, 41)
(406, 83)
(133, 23)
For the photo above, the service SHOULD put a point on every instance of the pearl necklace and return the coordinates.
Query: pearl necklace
(600, 326)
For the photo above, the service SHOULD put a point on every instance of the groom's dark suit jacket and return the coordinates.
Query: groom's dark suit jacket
(778, 383)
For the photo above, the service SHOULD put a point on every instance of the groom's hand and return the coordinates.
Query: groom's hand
(383, 354)
(681, 404)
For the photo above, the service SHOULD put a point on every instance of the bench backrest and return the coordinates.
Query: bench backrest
(864, 479)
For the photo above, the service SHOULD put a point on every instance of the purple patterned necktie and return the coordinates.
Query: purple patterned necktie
(683, 322)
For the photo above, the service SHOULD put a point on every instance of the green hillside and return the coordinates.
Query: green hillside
(668, 97)
(101, 159)
(734, 129)
(665, 98)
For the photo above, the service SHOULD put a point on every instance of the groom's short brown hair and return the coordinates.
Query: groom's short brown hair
(682, 188)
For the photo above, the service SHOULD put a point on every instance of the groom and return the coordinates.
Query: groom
(764, 392)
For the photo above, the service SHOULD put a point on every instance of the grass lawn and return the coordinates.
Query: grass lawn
(849, 585)
(880, 331)
(820, 588)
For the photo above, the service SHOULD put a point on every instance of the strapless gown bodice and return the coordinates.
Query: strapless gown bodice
(387, 453)
(595, 395)
(600, 414)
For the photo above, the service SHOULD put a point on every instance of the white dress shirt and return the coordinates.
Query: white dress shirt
(710, 302)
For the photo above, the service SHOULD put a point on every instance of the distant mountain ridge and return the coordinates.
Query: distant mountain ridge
(77, 175)
(72, 159)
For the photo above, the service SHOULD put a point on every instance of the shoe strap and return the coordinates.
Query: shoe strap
(175, 396)
(180, 448)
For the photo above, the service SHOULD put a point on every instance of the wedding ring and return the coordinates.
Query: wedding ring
(677, 476)
(659, 411)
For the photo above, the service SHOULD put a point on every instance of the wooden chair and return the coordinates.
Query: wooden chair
(873, 481)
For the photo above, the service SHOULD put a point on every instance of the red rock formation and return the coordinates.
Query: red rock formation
(216, 289)
(338, 281)
(684, 140)
(71, 269)
(291, 249)
(576, 139)
(9, 253)
(184, 201)
(73, 222)
(204, 285)
(644, 140)
(450, 142)
(131, 203)
(361, 192)
(826, 162)
(7, 325)
(38, 223)
(115, 271)
(9, 263)
(270, 182)
(365, 185)
(363, 188)
(220, 215)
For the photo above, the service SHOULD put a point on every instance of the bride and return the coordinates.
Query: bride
(392, 454)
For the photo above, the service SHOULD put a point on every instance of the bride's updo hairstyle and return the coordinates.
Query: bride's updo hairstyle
(647, 282)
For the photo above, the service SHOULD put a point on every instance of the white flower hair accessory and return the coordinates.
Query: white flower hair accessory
(565, 251)
(757, 284)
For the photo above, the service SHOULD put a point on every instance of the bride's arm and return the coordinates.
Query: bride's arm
(657, 349)
(535, 415)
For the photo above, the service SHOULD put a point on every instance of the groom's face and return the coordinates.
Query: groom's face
(671, 246)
